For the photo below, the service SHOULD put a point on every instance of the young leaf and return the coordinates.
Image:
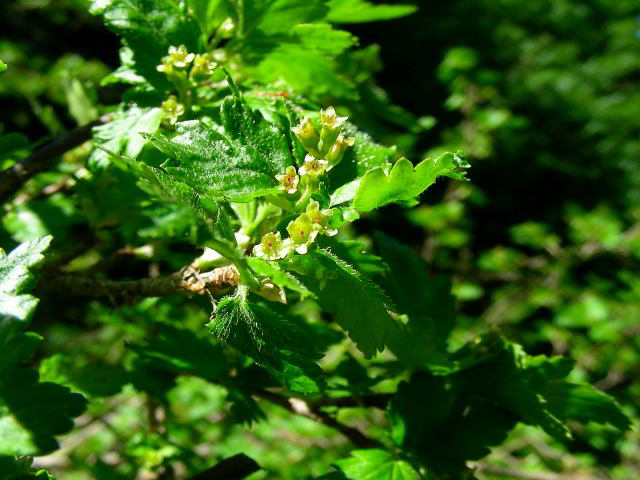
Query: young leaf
(149, 28)
(237, 166)
(404, 182)
(363, 156)
(279, 344)
(358, 305)
(361, 11)
(376, 464)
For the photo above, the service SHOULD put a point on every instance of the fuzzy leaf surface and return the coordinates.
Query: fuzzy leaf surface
(237, 166)
(358, 305)
(276, 342)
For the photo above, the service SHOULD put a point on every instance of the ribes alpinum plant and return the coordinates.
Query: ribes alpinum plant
(208, 279)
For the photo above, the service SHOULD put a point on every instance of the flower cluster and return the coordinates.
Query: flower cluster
(180, 62)
(325, 150)
(302, 233)
(184, 70)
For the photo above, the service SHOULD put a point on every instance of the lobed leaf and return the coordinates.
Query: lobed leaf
(404, 182)
(375, 464)
(31, 413)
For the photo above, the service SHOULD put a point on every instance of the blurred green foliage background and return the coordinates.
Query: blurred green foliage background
(544, 243)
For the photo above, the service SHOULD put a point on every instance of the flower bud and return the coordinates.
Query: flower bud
(172, 110)
(226, 29)
(331, 125)
(288, 181)
(307, 134)
(335, 154)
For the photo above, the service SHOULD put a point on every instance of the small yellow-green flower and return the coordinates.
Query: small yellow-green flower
(271, 247)
(336, 152)
(172, 110)
(307, 134)
(320, 218)
(314, 167)
(203, 67)
(288, 181)
(302, 233)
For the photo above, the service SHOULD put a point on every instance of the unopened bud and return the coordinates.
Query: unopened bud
(330, 130)
(335, 154)
(308, 135)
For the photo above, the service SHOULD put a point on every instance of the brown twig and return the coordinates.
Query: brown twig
(186, 280)
(14, 177)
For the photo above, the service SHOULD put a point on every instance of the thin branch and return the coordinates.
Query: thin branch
(187, 281)
(14, 177)
(377, 401)
(300, 407)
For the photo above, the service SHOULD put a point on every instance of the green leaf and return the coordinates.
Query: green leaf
(376, 464)
(209, 13)
(584, 403)
(31, 413)
(450, 419)
(361, 11)
(238, 166)
(96, 379)
(358, 305)
(426, 300)
(3, 67)
(281, 345)
(123, 134)
(277, 16)
(16, 307)
(404, 182)
(177, 350)
(149, 28)
(363, 156)
(279, 277)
